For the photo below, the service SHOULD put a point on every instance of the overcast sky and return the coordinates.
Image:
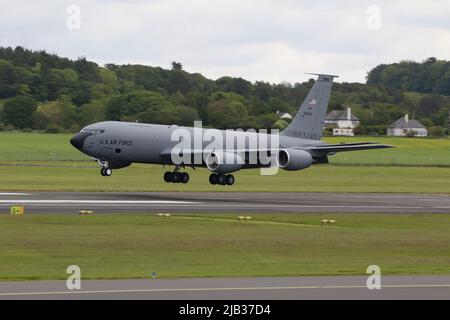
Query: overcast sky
(258, 40)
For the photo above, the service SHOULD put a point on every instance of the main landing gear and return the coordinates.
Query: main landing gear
(176, 177)
(222, 179)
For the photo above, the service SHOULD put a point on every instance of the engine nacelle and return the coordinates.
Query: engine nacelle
(293, 159)
(223, 162)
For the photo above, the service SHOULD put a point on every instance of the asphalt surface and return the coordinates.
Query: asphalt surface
(289, 288)
(223, 202)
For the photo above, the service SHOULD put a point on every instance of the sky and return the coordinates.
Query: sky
(259, 40)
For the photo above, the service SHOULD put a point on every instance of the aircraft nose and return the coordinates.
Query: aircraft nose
(78, 140)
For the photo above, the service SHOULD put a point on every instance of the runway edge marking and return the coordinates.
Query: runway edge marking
(218, 289)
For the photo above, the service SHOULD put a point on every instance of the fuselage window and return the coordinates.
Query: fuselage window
(93, 131)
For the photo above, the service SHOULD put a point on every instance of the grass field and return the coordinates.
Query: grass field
(68, 176)
(134, 246)
(416, 165)
(408, 151)
(20, 146)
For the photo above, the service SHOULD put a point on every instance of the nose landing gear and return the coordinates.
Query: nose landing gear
(221, 179)
(105, 170)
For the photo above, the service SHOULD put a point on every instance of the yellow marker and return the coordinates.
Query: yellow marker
(86, 212)
(163, 214)
(17, 210)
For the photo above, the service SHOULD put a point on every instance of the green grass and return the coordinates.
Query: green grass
(133, 246)
(23, 146)
(408, 152)
(68, 176)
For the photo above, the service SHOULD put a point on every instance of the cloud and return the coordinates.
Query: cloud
(258, 40)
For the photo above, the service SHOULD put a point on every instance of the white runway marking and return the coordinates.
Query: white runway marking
(176, 203)
(14, 194)
(8, 201)
(411, 286)
(196, 204)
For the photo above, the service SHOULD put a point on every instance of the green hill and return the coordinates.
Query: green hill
(43, 91)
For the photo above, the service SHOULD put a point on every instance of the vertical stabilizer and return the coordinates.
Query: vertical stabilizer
(308, 122)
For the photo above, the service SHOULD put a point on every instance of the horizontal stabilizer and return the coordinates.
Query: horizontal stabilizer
(323, 75)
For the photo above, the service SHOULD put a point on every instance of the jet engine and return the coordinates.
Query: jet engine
(223, 162)
(294, 159)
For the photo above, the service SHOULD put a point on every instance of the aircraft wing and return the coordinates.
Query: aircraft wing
(325, 148)
(317, 150)
(331, 148)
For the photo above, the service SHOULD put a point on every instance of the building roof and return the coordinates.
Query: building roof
(285, 115)
(339, 115)
(410, 124)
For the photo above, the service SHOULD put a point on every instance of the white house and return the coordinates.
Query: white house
(404, 125)
(342, 121)
(284, 115)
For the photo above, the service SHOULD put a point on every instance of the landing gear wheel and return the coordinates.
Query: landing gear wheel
(168, 176)
(229, 178)
(107, 172)
(176, 177)
(212, 178)
(220, 179)
(184, 177)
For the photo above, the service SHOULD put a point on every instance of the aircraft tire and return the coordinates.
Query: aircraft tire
(229, 178)
(108, 172)
(102, 172)
(184, 177)
(213, 178)
(221, 179)
(168, 176)
(176, 178)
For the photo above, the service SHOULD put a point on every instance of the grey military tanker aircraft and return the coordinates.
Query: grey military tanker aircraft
(115, 144)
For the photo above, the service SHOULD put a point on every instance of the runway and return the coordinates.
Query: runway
(285, 288)
(223, 202)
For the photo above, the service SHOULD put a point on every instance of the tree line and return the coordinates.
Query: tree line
(42, 91)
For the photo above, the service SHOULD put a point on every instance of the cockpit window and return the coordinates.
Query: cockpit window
(93, 131)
